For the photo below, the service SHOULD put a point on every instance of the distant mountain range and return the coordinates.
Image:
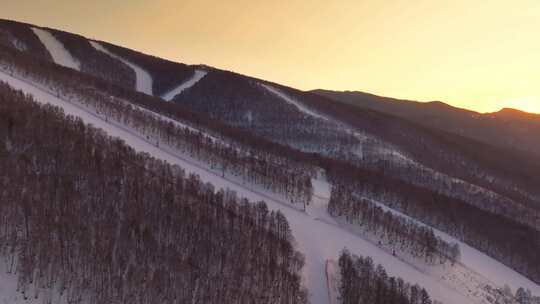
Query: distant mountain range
(508, 128)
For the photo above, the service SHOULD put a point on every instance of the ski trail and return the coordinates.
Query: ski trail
(199, 74)
(301, 107)
(57, 50)
(333, 281)
(144, 80)
(317, 240)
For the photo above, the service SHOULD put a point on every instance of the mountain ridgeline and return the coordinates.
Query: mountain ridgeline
(508, 128)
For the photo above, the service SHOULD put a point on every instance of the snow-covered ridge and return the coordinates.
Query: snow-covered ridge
(57, 50)
(199, 74)
(144, 80)
(301, 107)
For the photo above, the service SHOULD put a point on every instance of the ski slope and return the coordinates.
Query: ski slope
(334, 280)
(199, 74)
(318, 238)
(301, 107)
(144, 81)
(57, 50)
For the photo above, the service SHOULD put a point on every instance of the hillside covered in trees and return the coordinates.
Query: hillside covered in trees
(84, 215)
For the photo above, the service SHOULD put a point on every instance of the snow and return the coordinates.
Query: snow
(318, 207)
(318, 238)
(301, 107)
(333, 278)
(19, 45)
(199, 74)
(10, 295)
(57, 50)
(144, 80)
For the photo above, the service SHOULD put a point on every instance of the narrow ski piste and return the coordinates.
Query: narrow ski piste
(317, 236)
(301, 107)
(199, 74)
(57, 50)
(144, 81)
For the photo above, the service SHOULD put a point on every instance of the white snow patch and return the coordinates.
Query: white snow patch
(144, 80)
(333, 277)
(57, 50)
(301, 107)
(9, 293)
(249, 116)
(199, 74)
(19, 45)
(318, 206)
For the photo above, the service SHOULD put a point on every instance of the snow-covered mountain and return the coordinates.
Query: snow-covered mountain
(436, 180)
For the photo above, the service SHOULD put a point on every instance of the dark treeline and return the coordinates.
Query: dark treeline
(95, 62)
(19, 36)
(364, 282)
(166, 75)
(515, 245)
(84, 214)
(398, 233)
(258, 166)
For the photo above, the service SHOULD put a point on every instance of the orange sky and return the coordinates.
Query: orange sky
(481, 55)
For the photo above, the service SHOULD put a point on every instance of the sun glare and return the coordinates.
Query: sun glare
(529, 104)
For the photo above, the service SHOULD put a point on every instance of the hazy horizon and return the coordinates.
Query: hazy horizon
(478, 56)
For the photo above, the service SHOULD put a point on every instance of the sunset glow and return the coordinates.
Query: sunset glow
(480, 55)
